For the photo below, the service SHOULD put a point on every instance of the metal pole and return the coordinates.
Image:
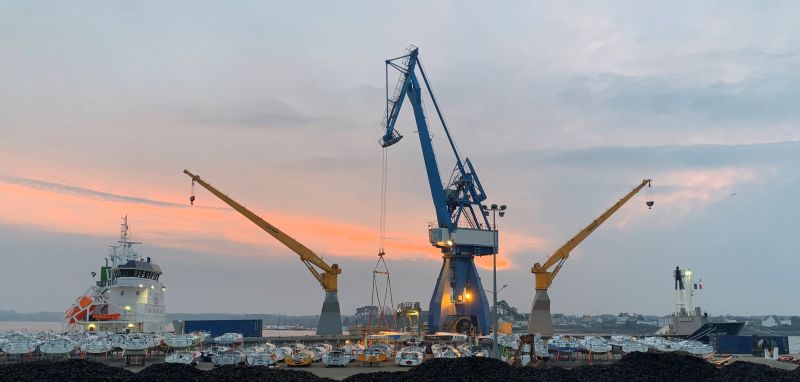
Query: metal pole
(494, 288)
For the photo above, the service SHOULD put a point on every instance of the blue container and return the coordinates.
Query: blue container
(747, 344)
(247, 328)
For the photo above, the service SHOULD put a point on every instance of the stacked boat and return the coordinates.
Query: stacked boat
(96, 344)
(140, 341)
(229, 339)
(59, 346)
(228, 357)
(593, 344)
(563, 345)
(20, 344)
(445, 351)
(695, 347)
(661, 344)
(182, 341)
(627, 344)
(183, 357)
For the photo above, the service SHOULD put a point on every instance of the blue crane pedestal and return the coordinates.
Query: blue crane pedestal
(458, 303)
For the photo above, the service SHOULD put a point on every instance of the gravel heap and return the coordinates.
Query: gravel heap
(167, 372)
(632, 367)
(73, 370)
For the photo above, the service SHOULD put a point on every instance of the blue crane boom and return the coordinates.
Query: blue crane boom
(462, 230)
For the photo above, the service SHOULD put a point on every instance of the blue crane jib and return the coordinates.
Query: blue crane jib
(462, 229)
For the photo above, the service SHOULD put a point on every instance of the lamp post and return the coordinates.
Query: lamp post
(502, 210)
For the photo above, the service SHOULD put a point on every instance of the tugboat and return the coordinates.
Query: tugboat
(128, 298)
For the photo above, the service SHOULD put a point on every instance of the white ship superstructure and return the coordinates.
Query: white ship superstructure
(129, 297)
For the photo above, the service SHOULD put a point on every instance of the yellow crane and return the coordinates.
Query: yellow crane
(330, 320)
(539, 321)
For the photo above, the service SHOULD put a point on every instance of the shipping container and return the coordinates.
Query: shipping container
(247, 328)
(751, 344)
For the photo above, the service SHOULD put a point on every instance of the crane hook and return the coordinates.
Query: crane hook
(650, 202)
(191, 198)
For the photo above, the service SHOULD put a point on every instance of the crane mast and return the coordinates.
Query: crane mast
(540, 321)
(327, 275)
(461, 230)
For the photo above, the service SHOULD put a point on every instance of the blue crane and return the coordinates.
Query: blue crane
(462, 230)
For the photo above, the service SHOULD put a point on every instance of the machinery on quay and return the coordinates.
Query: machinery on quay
(330, 319)
(461, 231)
(540, 321)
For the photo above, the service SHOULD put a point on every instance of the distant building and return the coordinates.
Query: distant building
(769, 322)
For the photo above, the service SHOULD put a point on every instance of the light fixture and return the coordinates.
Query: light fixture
(163, 288)
(141, 286)
(130, 325)
(468, 296)
(152, 287)
(127, 308)
(449, 243)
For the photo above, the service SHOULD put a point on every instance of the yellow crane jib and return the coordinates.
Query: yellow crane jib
(540, 321)
(327, 275)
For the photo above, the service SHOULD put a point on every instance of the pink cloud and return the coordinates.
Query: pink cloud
(686, 191)
(208, 229)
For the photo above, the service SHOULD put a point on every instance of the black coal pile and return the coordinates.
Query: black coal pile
(755, 373)
(461, 369)
(663, 366)
(242, 374)
(74, 370)
(378, 376)
(633, 367)
(168, 372)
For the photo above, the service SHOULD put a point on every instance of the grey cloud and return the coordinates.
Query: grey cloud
(769, 98)
(85, 192)
(659, 157)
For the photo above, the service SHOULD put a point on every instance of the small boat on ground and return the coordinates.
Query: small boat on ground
(595, 344)
(183, 357)
(372, 355)
(299, 358)
(230, 357)
(695, 347)
(447, 352)
(59, 346)
(262, 358)
(208, 354)
(139, 341)
(409, 356)
(336, 358)
(100, 345)
(560, 344)
(319, 352)
(660, 344)
(20, 346)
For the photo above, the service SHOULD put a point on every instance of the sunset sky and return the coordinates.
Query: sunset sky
(563, 108)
